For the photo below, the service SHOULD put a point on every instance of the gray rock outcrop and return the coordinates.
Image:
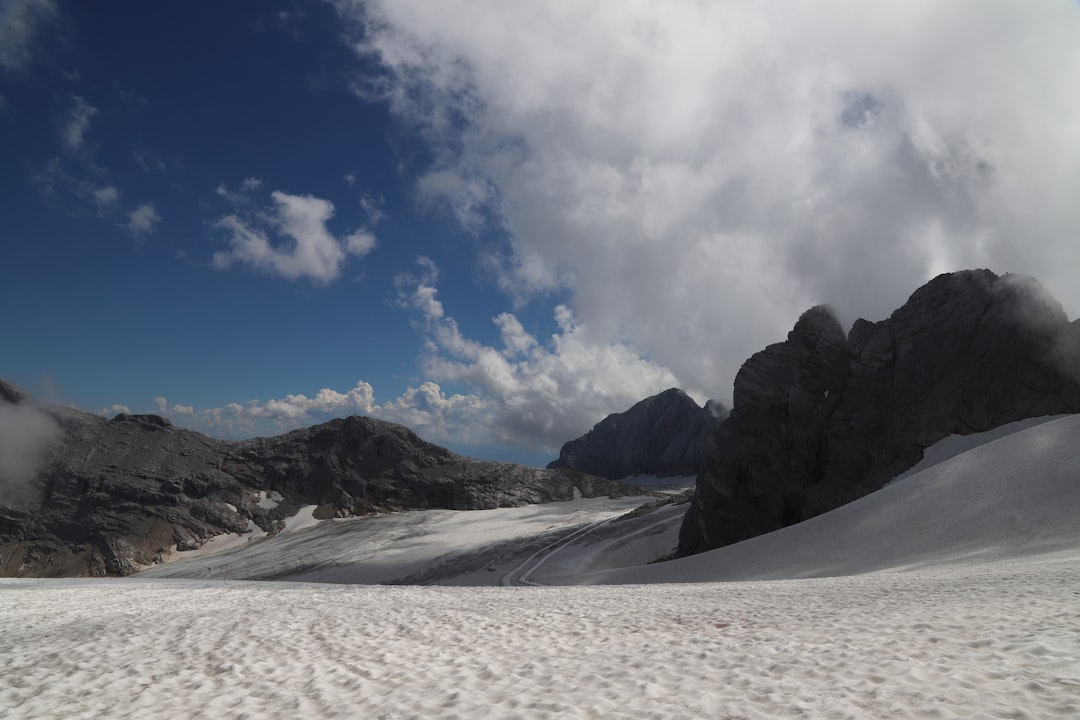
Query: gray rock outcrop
(663, 435)
(116, 495)
(826, 417)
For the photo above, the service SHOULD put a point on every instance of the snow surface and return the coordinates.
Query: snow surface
(953, 593)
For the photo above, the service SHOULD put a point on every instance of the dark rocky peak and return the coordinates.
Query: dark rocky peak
(148, 420)
(821, 419)
(11, 393)
(662, 435)
(786, 381)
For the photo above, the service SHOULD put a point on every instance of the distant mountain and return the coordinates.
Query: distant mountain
(111, 496)
(826, 416)
(663, 435)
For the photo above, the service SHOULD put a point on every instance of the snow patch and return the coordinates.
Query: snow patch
(218, 544)
(303, 519)
(268, 502)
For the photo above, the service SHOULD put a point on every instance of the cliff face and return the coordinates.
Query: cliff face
(111, 496)
(663, 435)
(824, 418)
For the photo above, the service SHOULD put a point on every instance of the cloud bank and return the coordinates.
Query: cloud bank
(697, 174)
(525, 392)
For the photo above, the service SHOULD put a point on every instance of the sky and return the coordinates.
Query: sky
(499, 222)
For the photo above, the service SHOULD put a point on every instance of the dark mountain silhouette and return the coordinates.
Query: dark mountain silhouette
(826, 417)
(663, 435)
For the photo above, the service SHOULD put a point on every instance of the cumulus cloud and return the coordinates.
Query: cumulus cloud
(76, 122)
(523, 392)
(309, 250)
(21, 24)
(143, 219)
(238, 420)
(695, 175)
(527, 393)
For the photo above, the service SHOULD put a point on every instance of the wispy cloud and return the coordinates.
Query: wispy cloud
(309, 250)
(129, 96)
(106, 196)
(26, 434)
(22, 22)
(148, 162)
(76, 123)
(695, 175)
(143, 219)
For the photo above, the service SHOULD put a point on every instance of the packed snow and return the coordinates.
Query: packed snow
(952, 593)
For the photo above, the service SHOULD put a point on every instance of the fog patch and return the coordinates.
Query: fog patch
(26, 434)
(1034, 308)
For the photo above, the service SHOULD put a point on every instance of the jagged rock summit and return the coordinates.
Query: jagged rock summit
(826, 417)
(663, 435)
(112, 496)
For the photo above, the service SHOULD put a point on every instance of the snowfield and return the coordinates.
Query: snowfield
(951, 593)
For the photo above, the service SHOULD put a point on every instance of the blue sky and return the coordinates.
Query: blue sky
(498, 222)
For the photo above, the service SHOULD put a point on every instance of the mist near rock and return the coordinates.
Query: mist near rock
(26, 434)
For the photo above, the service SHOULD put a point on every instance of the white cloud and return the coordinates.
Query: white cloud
(237, 420)
(373, 208)
(310, 251)
(148, 162)
(26, 434)
(106, 196)
(21, 24)
(114, 409)
(77, 121)
(143, 219)
(360, 243)
(697, 174)
(526, 393)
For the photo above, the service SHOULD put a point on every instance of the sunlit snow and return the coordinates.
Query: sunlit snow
(952, 593)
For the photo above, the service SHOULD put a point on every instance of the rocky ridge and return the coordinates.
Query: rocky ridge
(663, 435)
(827, 416)
(116, 495)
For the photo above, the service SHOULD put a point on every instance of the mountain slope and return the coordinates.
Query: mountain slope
(1015, 498)
(826, 417)
(663, 435)
(115, 495)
